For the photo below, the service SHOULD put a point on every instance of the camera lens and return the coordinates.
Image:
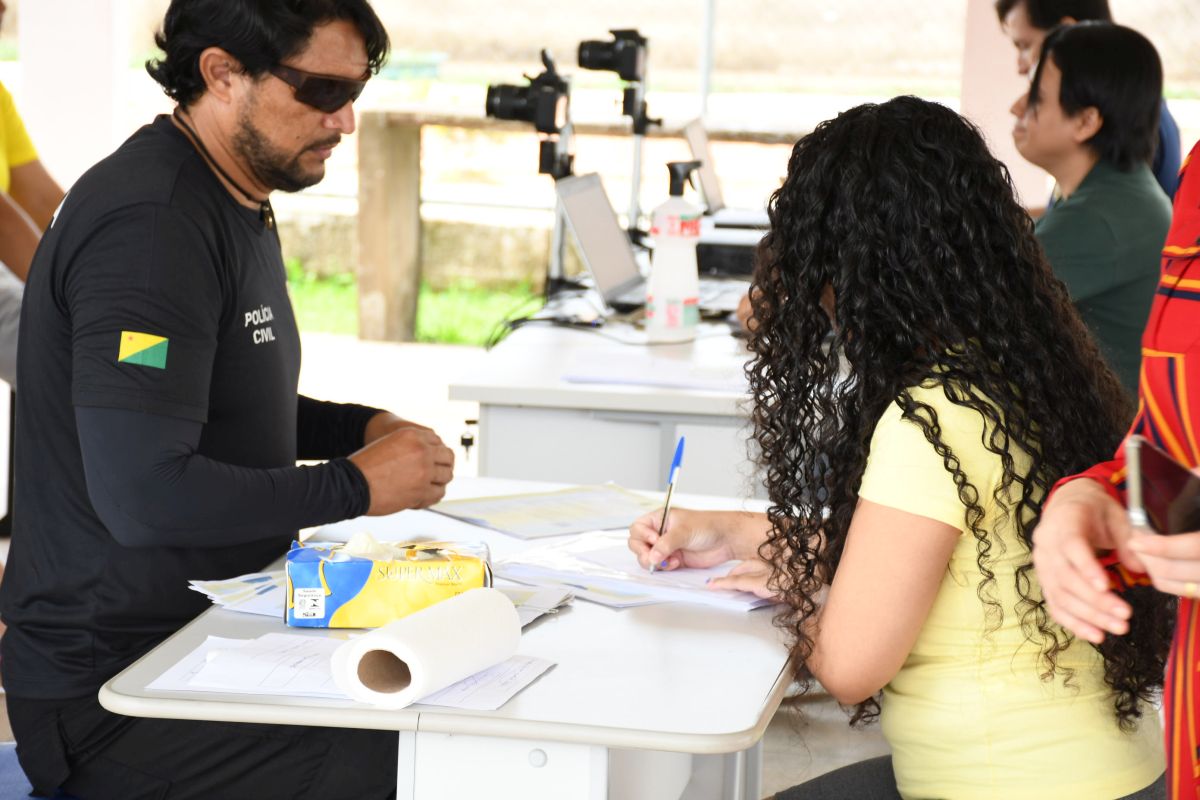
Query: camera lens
(597, 55)
(505, 101)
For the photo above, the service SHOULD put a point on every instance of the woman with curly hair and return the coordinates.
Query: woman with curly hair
(920, 381)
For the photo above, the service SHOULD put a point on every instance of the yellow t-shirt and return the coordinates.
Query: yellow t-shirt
(15, 146)
(967, 715)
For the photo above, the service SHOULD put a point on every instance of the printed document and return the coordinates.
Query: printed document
(533, 516)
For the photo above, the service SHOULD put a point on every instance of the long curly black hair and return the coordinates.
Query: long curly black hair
(899, 210)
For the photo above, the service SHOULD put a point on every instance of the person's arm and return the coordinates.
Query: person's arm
(330, 430)
(36, 192)
(1081, 548)
(151, 488)
(19, 237)
(893, 561)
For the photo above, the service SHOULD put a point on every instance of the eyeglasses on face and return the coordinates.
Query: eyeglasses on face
(325, 93)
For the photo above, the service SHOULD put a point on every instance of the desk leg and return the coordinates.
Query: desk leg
(442, 766)
(743, 773)
(736, 776)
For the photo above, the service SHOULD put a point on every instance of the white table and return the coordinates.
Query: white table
(534, 425)
(656, 702)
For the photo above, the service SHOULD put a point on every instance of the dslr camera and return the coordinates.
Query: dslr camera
(543, 103)
(624, 55)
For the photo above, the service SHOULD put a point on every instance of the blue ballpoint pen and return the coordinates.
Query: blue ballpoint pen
(671, 477)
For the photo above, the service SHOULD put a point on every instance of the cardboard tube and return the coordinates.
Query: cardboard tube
(398, 664)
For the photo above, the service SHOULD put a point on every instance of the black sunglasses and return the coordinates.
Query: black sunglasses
(323, 92)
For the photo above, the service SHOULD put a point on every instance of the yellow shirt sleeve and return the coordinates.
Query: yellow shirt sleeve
(905, 472)
(17, 148)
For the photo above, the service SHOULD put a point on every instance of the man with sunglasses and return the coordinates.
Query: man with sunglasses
(159, 422)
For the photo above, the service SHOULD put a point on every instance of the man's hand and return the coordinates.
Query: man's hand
(406, 468)
(384, 423)
(1080, 519)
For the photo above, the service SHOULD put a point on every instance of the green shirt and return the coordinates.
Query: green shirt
(1105, 243)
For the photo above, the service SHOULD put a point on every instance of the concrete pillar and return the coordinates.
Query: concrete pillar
(990, 85)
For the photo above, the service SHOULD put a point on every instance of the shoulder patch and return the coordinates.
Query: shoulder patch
(145, 349)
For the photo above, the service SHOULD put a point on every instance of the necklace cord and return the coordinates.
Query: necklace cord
(265, 212)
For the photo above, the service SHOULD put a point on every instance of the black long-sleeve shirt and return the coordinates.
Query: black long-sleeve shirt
(158, 422)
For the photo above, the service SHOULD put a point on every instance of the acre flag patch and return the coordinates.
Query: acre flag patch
(143, 348)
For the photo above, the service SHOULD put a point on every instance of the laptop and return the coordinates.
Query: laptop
(710, 186)
(608, 256)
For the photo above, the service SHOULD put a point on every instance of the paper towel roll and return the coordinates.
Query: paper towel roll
(408, 659)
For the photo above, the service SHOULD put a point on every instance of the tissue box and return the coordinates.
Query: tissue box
(368, 585)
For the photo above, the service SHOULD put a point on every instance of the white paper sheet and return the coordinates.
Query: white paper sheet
(276, 663)
(532, 516)
(534, 601)
(255, 593)
(492, 688)
(648, 369)
(600, 561)
(292, 665)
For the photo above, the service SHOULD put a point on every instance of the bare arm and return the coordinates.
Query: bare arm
(19, 237)
(36, 192)
(888, 578)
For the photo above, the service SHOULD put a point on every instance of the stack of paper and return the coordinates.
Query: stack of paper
(255, 593)
(532, 602)
(599, 566)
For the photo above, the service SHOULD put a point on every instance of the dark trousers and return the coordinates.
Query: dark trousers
(91, 753)
(874, 780)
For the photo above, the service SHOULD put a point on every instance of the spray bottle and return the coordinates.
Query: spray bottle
(672, 293)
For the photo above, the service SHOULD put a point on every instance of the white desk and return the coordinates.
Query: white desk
(534, 425)
(632, 689)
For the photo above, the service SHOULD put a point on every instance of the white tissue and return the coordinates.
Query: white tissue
(364, 545)
(413, 657)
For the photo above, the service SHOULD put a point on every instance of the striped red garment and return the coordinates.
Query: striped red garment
(1169, 416)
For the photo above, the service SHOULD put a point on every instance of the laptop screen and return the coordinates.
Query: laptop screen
(697, 139)
(603, 246)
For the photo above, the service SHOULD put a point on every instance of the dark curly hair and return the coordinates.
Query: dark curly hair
(260, 34)
(900, 210)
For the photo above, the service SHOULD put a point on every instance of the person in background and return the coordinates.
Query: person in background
(28, 198)
(1028, 22)
(160, 425)
(1089, 121)
(907, 460)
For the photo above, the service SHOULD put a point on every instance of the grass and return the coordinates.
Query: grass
(462, 314)
(467, 314)
(327, 305)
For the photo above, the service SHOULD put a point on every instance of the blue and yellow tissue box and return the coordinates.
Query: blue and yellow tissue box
(367, 584)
